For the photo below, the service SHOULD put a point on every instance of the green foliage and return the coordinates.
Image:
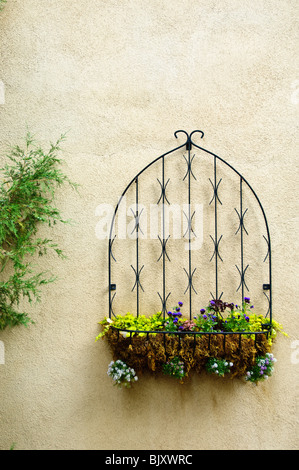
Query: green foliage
(2, 3)
(210, 319)
(206, 322)
(27, 188)
(132, 323)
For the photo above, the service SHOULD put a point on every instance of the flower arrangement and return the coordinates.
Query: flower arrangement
(210, 319)
(122, 374)
(213, 341)
(218, 366)
(263, 368)
(174, 368)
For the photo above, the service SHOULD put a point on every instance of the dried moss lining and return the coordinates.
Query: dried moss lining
(152, 351)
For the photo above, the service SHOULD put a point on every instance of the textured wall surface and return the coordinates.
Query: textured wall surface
(120, 78)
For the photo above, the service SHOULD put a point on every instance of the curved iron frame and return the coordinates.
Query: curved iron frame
(241, 214)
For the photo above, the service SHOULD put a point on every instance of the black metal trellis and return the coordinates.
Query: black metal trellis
(216, 237)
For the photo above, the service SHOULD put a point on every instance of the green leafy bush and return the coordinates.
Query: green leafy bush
(27, 188)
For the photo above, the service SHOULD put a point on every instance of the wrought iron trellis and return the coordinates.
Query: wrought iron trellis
(216, 237)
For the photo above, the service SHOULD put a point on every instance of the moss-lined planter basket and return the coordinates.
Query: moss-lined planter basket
(178, 352)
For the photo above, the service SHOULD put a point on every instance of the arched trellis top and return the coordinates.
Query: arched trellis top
(188, 145)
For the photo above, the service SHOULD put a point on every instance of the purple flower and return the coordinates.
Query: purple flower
(247, 299)
(205, 317)
(202, 310)
(180, 304)
(177, 309)
(169, 313)
(175, 320)
(252, 306)
(212, 302)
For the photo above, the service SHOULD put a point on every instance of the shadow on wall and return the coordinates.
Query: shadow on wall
(2, 353)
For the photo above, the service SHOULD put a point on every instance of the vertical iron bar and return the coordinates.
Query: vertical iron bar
(163, 229)
(241, 222)
(189, 223)
(216, 234)
(109, 276)
(270, 281)
(137, 246)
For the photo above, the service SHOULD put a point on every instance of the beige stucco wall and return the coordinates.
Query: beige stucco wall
(121, 77)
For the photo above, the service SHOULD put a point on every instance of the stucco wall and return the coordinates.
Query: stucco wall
(121, 77)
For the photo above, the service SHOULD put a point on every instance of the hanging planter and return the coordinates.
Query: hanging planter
(222, 339)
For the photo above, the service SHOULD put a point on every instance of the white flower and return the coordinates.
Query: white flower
(109, 320)
(231, 364)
